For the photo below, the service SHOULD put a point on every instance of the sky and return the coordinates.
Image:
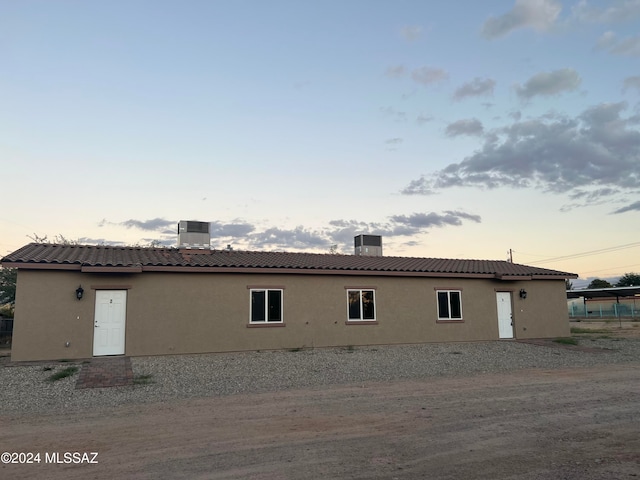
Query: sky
(453, 129)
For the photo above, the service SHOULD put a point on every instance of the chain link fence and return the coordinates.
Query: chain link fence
(626, 309)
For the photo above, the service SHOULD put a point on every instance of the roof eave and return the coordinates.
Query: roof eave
(551, 276)
(509, 278)
(111, 269)
(41, 266)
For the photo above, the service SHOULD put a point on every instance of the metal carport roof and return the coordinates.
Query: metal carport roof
(611, 292)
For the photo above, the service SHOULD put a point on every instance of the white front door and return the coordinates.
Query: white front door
(505, 317)
(109, 322)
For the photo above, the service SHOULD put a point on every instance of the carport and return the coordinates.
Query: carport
(609, 293)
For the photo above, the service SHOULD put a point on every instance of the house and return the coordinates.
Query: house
(79, 301)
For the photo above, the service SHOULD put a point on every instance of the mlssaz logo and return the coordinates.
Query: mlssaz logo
(71, 457)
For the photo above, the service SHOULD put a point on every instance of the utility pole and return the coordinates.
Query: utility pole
(510, 256)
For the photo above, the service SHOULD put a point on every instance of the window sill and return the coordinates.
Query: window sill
(266, 325)
(361, 322)
(450, 321)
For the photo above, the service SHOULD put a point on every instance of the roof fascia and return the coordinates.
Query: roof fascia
(41, 266)
(111, 269)
(507, 277)
(547, 276)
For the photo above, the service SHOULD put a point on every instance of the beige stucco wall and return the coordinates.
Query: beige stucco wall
(171, 313)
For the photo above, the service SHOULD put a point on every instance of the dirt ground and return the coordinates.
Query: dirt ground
(580, 423)
(610, 327)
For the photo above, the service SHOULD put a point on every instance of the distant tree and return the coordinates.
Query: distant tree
(8, 278)
(599, 283)
(149, 244)
(155, 244)
(58, 239)
(62, 240)
(568, 284)
(629, 280)
(38, 239)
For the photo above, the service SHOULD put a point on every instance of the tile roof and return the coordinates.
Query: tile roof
(110, 258)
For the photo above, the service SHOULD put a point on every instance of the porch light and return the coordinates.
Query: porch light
(79, 292)
(523, 293)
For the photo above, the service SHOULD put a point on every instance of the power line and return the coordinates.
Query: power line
(612, 268)
(589, 253)
(529, 254)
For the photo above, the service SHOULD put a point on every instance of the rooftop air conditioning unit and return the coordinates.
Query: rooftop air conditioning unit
(368, 245)
(192, 234)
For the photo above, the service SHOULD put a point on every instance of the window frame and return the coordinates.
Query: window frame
(267, 304)
(361, 320)
(450, 309)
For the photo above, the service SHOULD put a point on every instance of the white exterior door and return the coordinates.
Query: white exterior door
(109, 322)
(505, 317)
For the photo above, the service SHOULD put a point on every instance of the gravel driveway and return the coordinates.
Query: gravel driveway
(25, 388)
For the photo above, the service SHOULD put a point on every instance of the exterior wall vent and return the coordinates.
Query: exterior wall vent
(368, 245)
(192, 234)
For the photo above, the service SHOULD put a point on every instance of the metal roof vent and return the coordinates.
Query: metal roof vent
(192, 234)
(368, 245)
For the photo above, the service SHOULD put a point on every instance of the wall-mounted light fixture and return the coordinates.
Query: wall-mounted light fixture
(523, 293)
(79, 292)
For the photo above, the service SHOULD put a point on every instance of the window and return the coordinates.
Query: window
(266, 306)
(449, 304)
(361, 305)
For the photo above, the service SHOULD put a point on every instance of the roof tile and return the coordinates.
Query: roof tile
(35, 254)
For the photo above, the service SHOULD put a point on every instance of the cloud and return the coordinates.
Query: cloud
(411, 33)
(420, 186)
(297, 238)
(226, 230)
(471, 126)
(343, 231)
(606, 40)
(422, 119)
(629, 208)
(429, 75)
(420, 221)
(155, 224)
(629, 46)
(631, 82)
(598, 149)
(474, 88)
(620, 11)
(593, 195)
(540, 15)
(395, 71)
(590, 196)
(549, 83)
